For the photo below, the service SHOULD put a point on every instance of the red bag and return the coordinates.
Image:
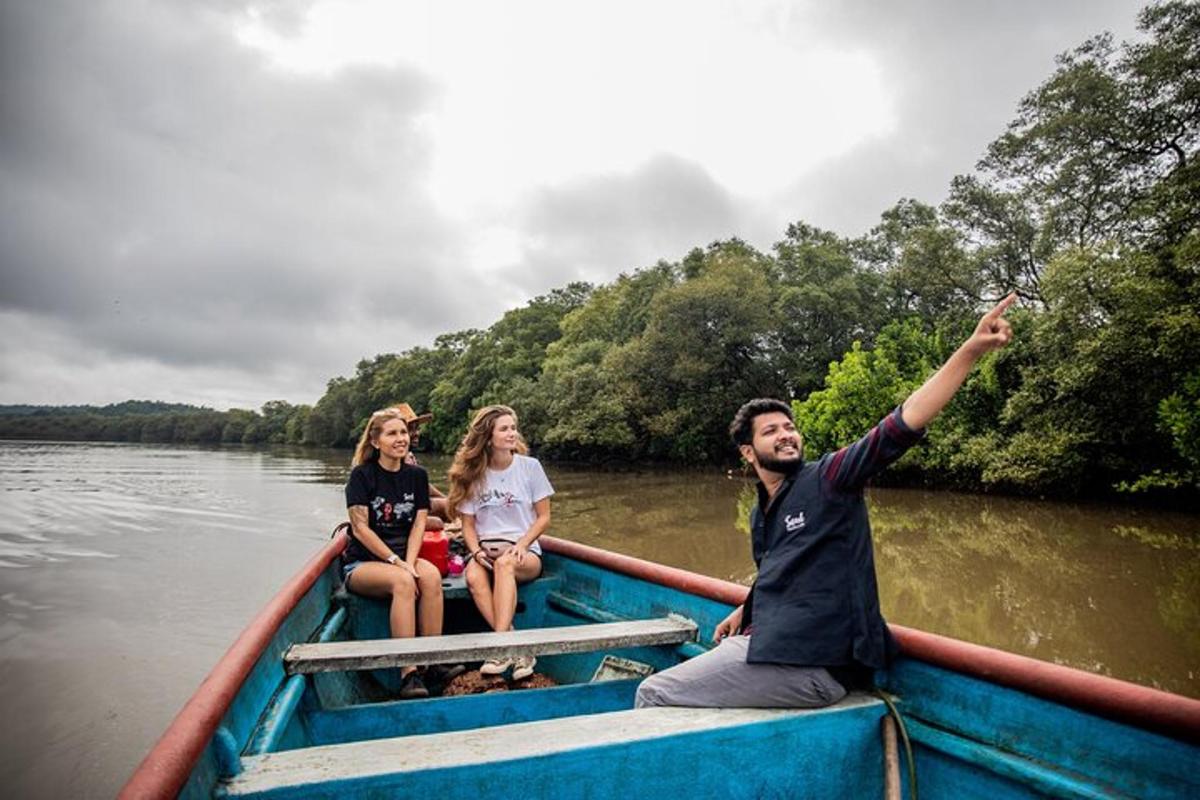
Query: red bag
(435, 549)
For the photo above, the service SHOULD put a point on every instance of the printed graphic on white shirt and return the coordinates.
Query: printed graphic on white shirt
(495, 498)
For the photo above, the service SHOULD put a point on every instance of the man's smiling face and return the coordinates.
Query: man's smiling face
(776, 444)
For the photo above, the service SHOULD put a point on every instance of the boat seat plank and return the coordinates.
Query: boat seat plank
(326, 765)
(424, 650)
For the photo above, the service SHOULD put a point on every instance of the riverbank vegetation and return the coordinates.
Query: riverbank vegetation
(1087, 206)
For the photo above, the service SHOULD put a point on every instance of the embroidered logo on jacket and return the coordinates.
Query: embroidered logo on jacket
(793, 523)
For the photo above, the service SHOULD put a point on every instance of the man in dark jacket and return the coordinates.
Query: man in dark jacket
(811, 628)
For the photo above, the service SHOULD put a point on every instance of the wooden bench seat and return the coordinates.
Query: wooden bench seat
(425, 650)
(410, 760)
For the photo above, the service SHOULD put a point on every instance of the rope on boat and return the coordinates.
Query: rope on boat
(908, 754)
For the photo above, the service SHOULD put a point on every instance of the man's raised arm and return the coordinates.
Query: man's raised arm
(992, 333)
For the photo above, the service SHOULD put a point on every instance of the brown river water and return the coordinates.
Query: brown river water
(127, 570)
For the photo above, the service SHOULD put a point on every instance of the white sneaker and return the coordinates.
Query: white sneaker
(495, 666)
(523, 667)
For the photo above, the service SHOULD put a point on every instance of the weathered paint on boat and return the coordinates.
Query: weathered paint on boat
(983, 723)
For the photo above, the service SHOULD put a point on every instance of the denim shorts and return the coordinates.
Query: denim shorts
(347, 568)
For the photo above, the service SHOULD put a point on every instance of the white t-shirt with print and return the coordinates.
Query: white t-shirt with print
(503, 502)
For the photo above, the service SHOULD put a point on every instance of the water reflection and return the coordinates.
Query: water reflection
(1108, 589)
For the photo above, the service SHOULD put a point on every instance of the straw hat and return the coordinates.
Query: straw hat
(411, 417)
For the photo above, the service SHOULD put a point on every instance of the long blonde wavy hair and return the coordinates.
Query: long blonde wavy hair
(365, 451)
(471, 459)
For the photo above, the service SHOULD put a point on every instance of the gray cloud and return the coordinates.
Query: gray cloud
(595, 227)
(181, 221)
(957, 71)
(171, 199)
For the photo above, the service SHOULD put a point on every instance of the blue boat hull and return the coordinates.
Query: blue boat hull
(972, 737)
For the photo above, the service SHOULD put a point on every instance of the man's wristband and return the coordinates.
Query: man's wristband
(393, 559)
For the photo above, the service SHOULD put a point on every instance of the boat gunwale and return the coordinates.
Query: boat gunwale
(166, 767)
(1141, 706)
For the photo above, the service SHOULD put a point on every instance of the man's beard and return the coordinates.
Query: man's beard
(787, 467)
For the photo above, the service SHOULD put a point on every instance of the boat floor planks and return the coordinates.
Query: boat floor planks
(340, 767)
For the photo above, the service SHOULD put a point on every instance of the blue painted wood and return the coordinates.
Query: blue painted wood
(333, 626)
(836, 754)
(229, 761)
(1109, 754)
(279, 714)
(413, 717)
(205, 777)
(268, 675)
(582, 609)
(941, 777)
(690, 650)
(631, 598)
(992, 761)
(272, 729)
(590, 612)
(565, 608)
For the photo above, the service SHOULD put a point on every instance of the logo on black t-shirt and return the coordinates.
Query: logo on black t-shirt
(390, 514)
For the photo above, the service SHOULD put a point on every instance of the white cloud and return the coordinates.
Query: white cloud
(533, 92)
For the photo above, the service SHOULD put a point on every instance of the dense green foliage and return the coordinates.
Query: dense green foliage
(149, 421)
(129, 407)
(145, 421)
(1088, 206)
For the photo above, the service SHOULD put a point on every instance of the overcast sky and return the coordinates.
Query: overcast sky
(225, 203)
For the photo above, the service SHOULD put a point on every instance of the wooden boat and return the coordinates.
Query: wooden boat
(300, 706)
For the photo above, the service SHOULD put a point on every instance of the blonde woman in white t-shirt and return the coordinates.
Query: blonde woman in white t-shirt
(503, 499)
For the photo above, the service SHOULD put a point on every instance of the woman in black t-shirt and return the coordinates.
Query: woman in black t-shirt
(389, 502)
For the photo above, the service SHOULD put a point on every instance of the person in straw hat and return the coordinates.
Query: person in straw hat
(437, 499)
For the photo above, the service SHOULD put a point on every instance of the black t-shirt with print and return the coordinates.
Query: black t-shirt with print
(392, 500)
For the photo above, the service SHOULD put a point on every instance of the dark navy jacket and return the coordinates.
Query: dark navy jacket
(815, 601)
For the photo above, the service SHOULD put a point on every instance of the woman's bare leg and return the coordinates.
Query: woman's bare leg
(504, 592)
(508, 574)
(430, 603)
(479, 582)
(376, 579)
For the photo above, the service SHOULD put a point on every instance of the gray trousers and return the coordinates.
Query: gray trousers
(721, 678)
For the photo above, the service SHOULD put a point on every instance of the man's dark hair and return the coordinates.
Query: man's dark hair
(741, 430)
